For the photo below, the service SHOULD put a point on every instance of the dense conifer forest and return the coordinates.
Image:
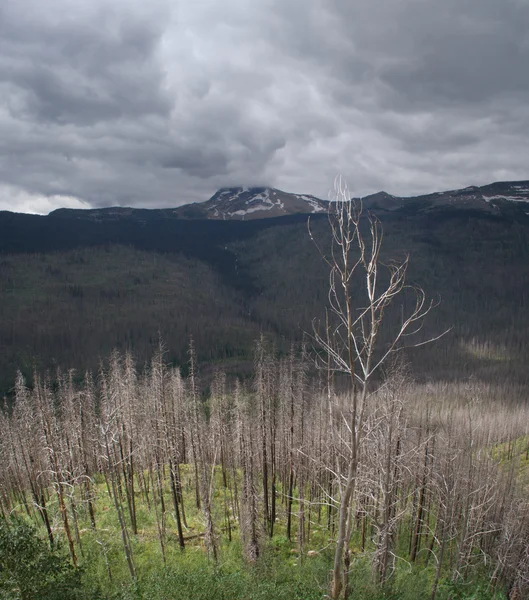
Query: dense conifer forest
(73, 290)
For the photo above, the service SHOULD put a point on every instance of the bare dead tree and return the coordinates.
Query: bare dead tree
(221, 427)
(57, 462)
(110, 443)
(23, 436)
(249, 513)
(204, 461)
(384, 467)
(264, 394)
(349, 344)
(172, 424)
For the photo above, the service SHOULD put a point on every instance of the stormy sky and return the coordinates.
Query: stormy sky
(160, 103)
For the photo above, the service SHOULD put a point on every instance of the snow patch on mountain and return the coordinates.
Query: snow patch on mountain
(264, 196)
(510, 198)
(252, 210)
(313, 202)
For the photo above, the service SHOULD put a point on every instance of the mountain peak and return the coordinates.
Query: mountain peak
(244, 203)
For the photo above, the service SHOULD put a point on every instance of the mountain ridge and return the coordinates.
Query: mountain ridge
(251, 203)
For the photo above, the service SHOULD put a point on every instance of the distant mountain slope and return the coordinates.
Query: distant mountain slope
(258, 203)
(252, 203)
(245, 204)
(239, 204)
(495, 198)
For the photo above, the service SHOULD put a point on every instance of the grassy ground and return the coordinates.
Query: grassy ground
(515, 452)
(281, 572)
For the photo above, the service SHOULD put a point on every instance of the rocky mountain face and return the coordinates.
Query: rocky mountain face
(493, 198)
(253, 203)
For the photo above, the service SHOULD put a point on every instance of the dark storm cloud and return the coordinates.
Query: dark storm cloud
(68, 70)
(479, 54)
(160, 103)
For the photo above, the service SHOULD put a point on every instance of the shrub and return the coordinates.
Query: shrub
(30, 570)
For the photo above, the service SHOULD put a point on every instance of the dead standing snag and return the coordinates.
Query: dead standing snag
(349, 340)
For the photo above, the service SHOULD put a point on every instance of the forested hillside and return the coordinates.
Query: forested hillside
(72, 289)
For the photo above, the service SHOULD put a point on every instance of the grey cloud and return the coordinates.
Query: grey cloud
(159, 103)
(70, 71)
(458, 70)
(199, 163)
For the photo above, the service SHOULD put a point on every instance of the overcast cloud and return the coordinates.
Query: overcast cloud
(160, 103)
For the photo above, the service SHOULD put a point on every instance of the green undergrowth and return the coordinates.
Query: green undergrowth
(516, 450)
(282, 571)
(281, 574)
(193, 576)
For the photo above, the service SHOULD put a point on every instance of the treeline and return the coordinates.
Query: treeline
(441, 482)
